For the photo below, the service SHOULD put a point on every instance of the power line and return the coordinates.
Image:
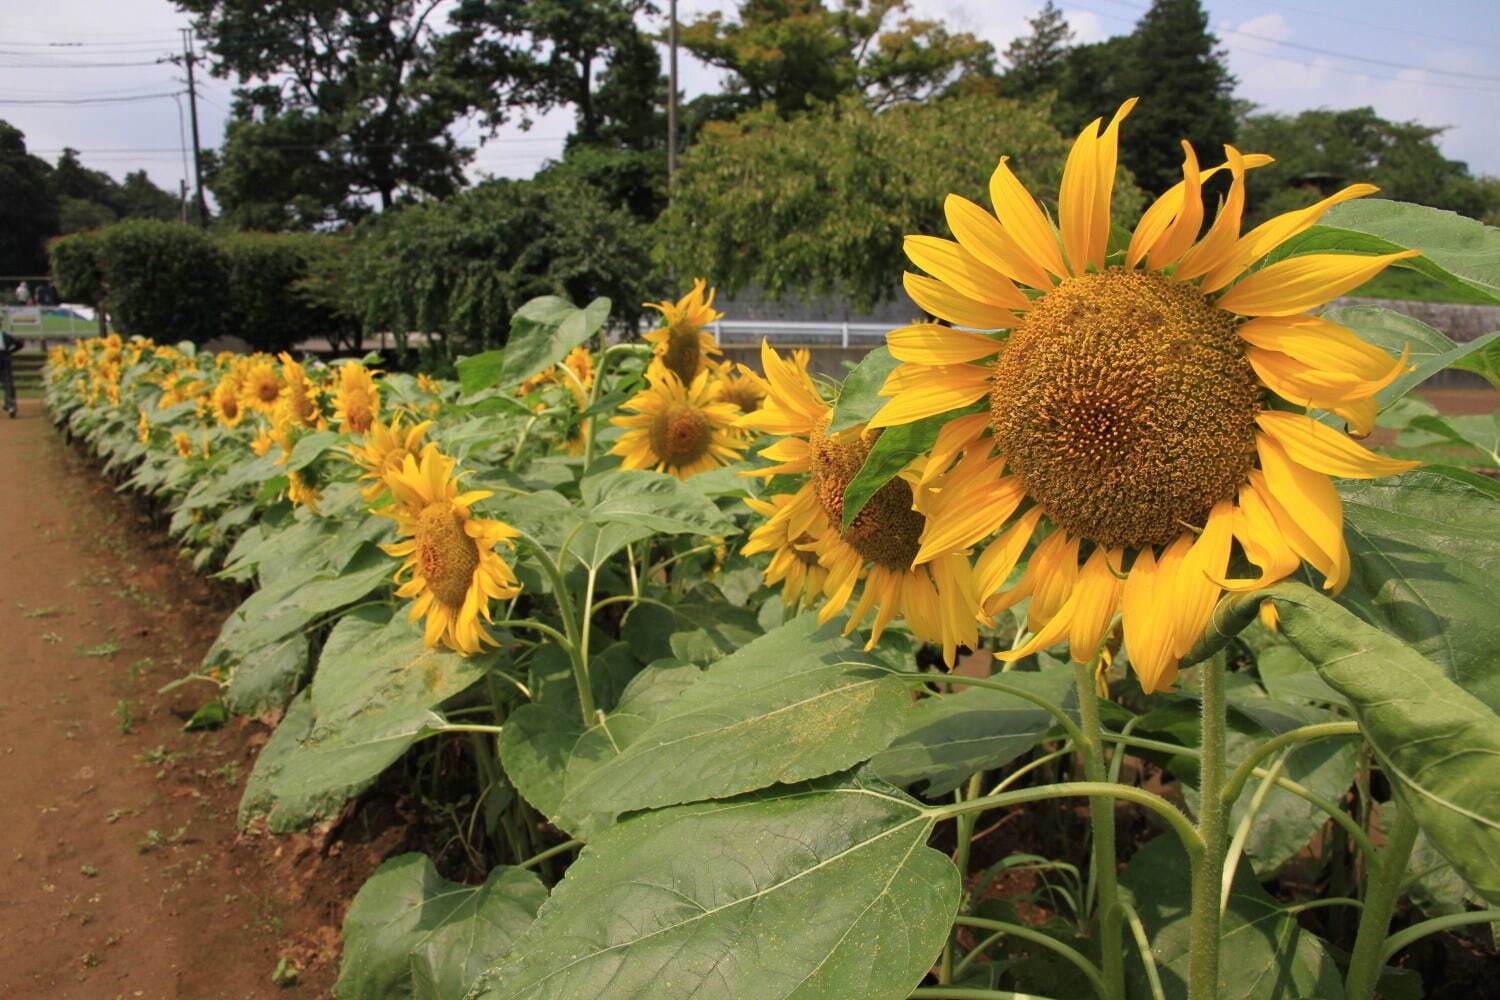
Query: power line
(56, 102)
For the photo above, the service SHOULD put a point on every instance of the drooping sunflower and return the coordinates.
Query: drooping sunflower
(263, 388)
(384, 452)
(676, 429)
(937, 599)
(683, 341)
(182, 444)
(743, 387)
(302, 491)
(143, 428)
(450, 553)
(301, 393)
(1144, 413)
(357, 401)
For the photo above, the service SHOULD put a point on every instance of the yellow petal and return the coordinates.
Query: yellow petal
(1147, 626)
(1215, 246)
(980, 513)
(1019, 214)
(1307, 508)
(1323, 449)
(937, 299)
(1264, 544)
(956, 435)
(1084, 196)
(1271, 234)
(1180, 207)
(1098, 597)
(959, 270)
(1055, 565)
(1319, 343)
(1050, 634)
(995, 563)
(1194, 591)
(1302, 283)
(936, 389)
(981, 234)
(931, 344)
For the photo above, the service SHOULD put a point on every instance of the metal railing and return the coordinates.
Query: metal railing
(749, 331)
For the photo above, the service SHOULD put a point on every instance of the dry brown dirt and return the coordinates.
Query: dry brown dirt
(123, 873)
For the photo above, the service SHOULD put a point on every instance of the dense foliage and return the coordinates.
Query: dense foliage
(163, 277)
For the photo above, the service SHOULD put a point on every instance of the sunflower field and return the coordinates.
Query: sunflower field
(727, 683)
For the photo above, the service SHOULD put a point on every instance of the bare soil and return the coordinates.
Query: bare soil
(124, 875)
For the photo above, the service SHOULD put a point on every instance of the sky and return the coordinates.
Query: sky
(93, 76)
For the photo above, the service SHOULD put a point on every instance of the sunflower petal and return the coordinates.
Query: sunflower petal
(1146, 620)
(931, 344)
(980, 233)
(1098, 597)
(1271, 234)
(955, 267)
(1193, 590)
(995, 563)
(929, 390)
(937, 299)
(1216, 244)
(1301, 283)
(981, 511)
(1306, 507)
(1320, 343)
(1323, 449)
(1019, 214)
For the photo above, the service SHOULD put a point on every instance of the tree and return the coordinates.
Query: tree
(28, 208)
(1037, 60)
(355, 84)
(820, 204)
(141, 199)
(796, 54)
(1318, 151)
(1175, 67)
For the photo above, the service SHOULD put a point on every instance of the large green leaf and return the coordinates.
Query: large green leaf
(1431, 351)
(479, 371)
(949, 737)
(1263, 953)
(267, 677)
(895, 449)
(798, 703)
(1453, 247)
(860, 397)
(823, 892)
(373, 695)
(544, 330)
(411, 932)
(626, 505)
(1425, 556)
(1438, 744)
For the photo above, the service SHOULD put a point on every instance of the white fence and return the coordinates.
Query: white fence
(749, 331)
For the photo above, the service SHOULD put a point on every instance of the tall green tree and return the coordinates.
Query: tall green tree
(1176, 68)
(819, 204)
(28, 208)
(355, 84)
(1035, 62)
(799, 53)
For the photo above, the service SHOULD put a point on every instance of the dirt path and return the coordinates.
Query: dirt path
(123, 873)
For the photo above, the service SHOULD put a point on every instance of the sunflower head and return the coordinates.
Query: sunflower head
(384, 451)
(886, 529)
(301, 393)
(302, 490)
(449, 553)
(357, 401)
(682, 341)
(182, 444)
(263, 388)
(143, 428)
(742, 387)
(678, 429)
(1143, 412)
(226, 401)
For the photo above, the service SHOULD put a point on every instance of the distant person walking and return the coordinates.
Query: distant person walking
(8, 346)
(23, 294)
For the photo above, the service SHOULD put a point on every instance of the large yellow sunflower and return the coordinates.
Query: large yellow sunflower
(450, 553)
(676, 429)
(937, 600)
(357, 401)
(262, 387)
(683, 340)
(1144, 413)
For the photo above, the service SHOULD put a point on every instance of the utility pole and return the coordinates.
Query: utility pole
(188, 57)
(671, 101)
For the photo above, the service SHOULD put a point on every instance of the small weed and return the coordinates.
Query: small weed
(88, 871)
(286, 972)
(51, 637)
(159, 755)
(142, 666)
(155, 840)
(125, 714)
(88, 960)
(47, 612)
(228, 773)
(115, 815)
(103, 649)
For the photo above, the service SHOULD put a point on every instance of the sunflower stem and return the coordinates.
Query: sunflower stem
(1103, 874)
(1180, 824)
(964, 834)
(1381, 892)
(1208, 866)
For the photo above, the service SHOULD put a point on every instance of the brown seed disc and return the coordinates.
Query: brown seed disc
(446, 554)
(886, 530)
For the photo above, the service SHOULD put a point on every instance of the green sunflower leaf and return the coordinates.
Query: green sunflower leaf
(860, 397)
(479, 371)
(544, 330)
(895, 449)
(825, 890)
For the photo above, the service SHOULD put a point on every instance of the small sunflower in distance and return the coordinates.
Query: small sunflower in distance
(357, 400)
(449, 553)
(676, 429)
(1132, 422)
(262, 387)
(683, 341)
(936, 600)
(226, 399)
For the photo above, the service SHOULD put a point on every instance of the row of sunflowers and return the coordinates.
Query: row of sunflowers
(689, 627)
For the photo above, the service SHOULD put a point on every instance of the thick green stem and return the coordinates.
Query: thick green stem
(1381, 892)
(1208, 867)
(1416, 932)
(1102, 818)
(964, 834)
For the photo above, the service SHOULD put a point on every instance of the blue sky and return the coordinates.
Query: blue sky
(1430, 61)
